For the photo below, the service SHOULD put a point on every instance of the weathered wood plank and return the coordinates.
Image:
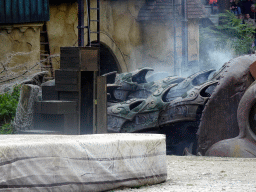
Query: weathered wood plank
(101, 105)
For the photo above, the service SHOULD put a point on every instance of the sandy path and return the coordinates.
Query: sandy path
(190, 173)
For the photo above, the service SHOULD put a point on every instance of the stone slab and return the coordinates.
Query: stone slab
(81, 163)
(40, 132)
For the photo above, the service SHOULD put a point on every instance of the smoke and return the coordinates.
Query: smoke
(158, 45)
(212, 57)
(217, 58)
(213, 51)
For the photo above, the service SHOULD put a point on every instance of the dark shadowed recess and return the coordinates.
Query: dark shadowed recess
(108, 61)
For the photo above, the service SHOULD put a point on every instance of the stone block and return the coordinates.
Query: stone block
(49, 93)
(56, 117)
(67, 80)
(70, 58)
(46, 123)
(63, 87)
(69, 95)
(64, 76)
(79, 58)
(55, 107)
(54, 124)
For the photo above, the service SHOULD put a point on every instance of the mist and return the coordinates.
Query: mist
(218, 58)
(158, 45)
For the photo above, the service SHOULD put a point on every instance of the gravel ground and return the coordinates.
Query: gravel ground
(193, 174)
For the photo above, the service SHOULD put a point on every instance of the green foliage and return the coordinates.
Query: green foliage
(7, 129)
(241, 34)
(231, 31)
(8, 105)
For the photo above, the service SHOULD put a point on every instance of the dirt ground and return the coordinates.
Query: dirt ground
(193, 174)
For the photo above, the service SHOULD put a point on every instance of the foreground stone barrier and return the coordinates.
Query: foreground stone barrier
(82, 162)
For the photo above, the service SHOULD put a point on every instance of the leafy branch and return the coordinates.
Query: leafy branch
(234, 32)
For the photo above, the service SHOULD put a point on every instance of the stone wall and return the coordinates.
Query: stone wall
(119, 29)
(158, 45)
(134, 44)
(19, 51)
(62, 29)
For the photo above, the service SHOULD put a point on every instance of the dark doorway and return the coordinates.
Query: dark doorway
(87, 99)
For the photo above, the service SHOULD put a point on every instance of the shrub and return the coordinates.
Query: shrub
(7, 128)
(8, 105)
